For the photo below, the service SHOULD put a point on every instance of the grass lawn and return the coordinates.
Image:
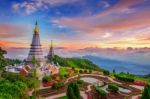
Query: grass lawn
(63, 71)
(65, 97)
(136, 77)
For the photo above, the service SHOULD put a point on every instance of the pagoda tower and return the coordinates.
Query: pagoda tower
(51, 52)
(36, 49)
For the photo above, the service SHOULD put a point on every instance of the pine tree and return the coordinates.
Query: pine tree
(76, 91)
(146, 92)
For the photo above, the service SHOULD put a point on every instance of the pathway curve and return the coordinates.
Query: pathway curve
(109, 78)
(83, 94)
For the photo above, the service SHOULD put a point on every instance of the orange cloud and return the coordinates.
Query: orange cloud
(11, 31)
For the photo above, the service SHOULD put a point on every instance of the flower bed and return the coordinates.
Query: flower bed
(140, 83)
(47, 84)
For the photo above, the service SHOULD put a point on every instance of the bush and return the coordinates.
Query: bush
(85, 71)
(73, 91)
(57, 85)
(79, 81)
(90, 71)
(46, 79)
(101, 92)
(124, 78)
(80, 71)
(106, 72)
(146, 92)
(113, 87)
(73, 68)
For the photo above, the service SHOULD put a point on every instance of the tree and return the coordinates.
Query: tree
(146, 92)
(2, 58)
(114, 71)
(35, 65)
(73, 91)
(77, 91)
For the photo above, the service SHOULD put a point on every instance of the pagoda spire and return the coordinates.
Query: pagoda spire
(51, 51)
(36, 29)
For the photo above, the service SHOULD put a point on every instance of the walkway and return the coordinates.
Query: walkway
(83, 94)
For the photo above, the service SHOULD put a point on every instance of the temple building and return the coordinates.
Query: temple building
(51, 53)
(36, 49)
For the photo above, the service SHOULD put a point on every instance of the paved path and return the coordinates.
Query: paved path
(138, 87)
(83, 94)
(136, 97)
(103, 76)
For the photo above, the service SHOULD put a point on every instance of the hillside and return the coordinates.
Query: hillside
(75, 62)
(119, 66)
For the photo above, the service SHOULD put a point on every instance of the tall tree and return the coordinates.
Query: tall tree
(146, 92)
(73, 91)
(2, 58)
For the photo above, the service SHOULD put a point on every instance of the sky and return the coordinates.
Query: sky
(110, 28)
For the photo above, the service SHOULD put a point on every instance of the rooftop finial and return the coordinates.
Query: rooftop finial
(36, 29)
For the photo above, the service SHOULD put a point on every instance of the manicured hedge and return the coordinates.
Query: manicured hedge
(57, 85)
(124, 78)
(101, 92)
(105, 72)
(46, 79)
(79, 81)
(113, 87)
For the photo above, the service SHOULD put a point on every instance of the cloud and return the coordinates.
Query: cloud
(12, 31)
(32, 6)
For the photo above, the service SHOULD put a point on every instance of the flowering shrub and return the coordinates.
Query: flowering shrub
(140, 83)
(46, 84)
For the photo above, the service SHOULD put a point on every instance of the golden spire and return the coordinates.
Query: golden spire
(36, 29)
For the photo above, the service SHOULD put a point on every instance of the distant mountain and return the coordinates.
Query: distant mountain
(119, 66)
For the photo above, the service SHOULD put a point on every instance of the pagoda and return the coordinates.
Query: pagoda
(51, 52)
(36, 49)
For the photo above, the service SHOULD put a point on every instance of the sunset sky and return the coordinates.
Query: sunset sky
(76, 24)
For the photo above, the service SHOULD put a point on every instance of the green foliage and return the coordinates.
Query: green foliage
(5, 62)
(63, 72)
(46, 79)
(57, 85)
(90, 71)
(124, 78)
(106, 72)
(80, 71)
(5, 96)
(79, 81)
(73, 68)
(16, 90)
(114, 71)
(146, 92)
(113, 87)
(101, 92)
(75, 62)
(73, 91)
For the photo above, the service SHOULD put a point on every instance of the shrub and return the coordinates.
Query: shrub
(101, 92)
(113, 87)
(106, 72)
(79, 81)
(57, 85)
(73, 91)
(66, 75)
(146, 92)
(85, 71)
(124, 78)
(90, 71)
(46, 79)
(73, 68)
(80, 71)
